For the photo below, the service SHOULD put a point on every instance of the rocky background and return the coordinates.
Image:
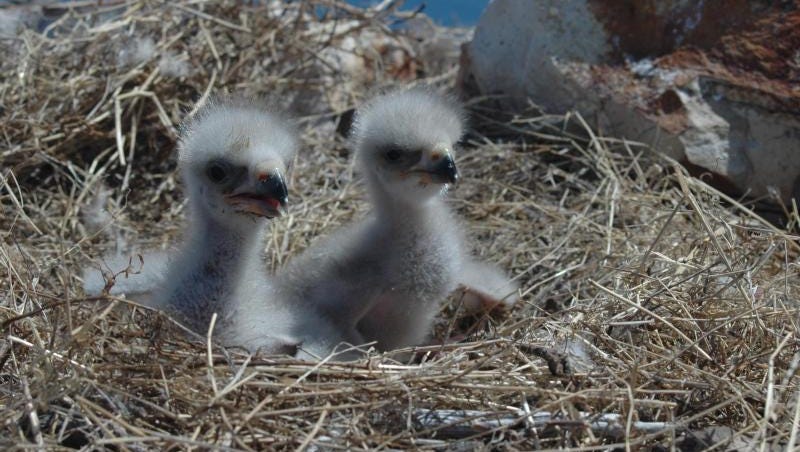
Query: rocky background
(713, 84)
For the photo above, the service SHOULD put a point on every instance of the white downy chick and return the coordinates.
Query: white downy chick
(384, 278)
(233, 158)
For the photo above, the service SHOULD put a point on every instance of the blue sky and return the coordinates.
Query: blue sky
(445, 12)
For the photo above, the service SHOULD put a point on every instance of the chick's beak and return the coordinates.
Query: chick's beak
(274, 186)
(436, 167)
(266, 197)
(444, 170)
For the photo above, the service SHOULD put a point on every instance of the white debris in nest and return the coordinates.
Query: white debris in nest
(171, 65)
(137, 51)
(364, 55)
(15, 19)
(10, 22)
(143, 50)
(96, 216)
(346, 57)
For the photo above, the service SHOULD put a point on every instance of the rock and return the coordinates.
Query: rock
(712, 84)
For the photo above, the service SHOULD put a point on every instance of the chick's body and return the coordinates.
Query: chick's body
(384, 278)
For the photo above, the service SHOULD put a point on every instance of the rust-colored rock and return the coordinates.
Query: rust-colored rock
(714, 84)
(651, 28)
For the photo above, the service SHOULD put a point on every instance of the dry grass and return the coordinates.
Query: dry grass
(676, 305)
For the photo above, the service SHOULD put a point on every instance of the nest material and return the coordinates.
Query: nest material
(654, 309)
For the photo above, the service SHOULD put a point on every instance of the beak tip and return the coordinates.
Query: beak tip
(446, 170)
(452, 171)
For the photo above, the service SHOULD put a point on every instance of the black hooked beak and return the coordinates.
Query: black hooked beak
(273, 185)
(445, 170)
(267, 199)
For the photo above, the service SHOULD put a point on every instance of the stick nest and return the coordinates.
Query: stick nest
(654, 310)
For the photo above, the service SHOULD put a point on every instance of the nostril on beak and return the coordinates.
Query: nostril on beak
(436, 156)
(263, 177)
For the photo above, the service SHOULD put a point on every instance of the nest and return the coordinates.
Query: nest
(655, 310)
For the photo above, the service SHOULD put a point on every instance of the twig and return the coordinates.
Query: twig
(463, 423)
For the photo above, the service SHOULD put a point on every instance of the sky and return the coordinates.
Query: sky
(445, 12)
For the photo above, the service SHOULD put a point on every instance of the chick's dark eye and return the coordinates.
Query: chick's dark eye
(217, 172)
(393, 155)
